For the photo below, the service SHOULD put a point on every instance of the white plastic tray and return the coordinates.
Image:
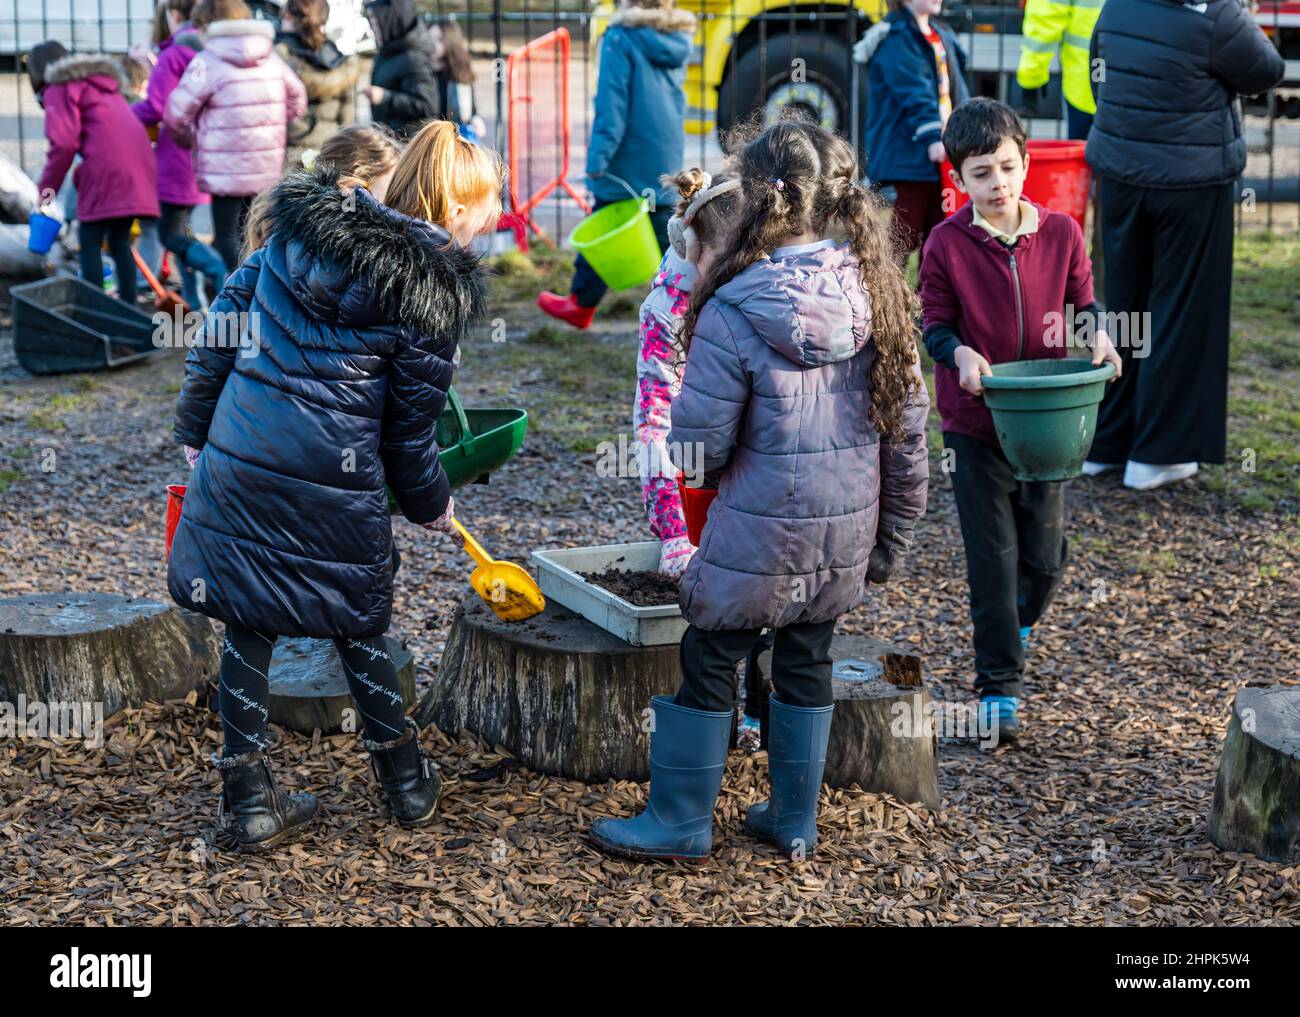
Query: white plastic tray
(558, 576)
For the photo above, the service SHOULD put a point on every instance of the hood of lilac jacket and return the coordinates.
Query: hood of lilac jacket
(232, 106)
(776, 393)
(176, 183)
(86, 114)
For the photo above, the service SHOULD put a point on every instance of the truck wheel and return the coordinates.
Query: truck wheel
(822, 91)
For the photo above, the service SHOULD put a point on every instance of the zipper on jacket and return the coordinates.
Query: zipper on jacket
(1020, 308)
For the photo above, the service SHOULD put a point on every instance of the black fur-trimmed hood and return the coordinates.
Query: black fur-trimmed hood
(349, 248)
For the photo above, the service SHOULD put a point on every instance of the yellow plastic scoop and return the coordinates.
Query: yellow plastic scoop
(505, 587)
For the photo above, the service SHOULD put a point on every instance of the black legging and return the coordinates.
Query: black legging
(228, 214)
(246, 659)
(174, 228)
(118, 232)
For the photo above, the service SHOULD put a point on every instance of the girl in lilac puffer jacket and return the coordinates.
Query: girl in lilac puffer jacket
(232, 107)
(802, 385)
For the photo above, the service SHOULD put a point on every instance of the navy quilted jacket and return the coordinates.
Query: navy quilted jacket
(352, 314)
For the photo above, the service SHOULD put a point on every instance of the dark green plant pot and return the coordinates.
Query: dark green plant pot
(1045, 412)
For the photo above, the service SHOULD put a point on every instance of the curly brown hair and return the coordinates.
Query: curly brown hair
(818, 192)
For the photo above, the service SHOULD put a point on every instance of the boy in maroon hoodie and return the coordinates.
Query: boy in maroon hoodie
(1002, 279)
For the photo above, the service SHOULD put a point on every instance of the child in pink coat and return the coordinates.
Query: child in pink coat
(86, 115)
(702, 212)
(232, 106)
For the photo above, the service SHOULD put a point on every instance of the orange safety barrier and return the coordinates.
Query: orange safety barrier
(537, 76)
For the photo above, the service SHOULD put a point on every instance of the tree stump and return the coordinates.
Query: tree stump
(1256, 805)
(102, 648)
(881, 738)
(309, 688)
(562, 695)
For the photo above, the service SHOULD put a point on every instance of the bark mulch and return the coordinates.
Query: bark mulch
(1172, 602)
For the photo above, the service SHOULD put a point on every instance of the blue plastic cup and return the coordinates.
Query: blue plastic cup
(42, 231)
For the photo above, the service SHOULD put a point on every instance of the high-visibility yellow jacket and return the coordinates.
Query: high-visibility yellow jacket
(1066, 24)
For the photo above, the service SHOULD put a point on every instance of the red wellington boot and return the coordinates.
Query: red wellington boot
(567, 309)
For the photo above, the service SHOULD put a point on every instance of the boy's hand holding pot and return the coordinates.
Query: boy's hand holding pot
(970, 368)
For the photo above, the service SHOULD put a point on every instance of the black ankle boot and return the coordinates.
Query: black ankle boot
(408, 777)
(255, 814)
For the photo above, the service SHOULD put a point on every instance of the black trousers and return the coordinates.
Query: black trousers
(91, 236)
(587, 287)
(801, 665)
(228, 214)
(1014, 537)
(1169, 253)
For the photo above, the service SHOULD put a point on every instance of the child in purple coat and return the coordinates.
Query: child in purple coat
(86, 115)
(178, 192)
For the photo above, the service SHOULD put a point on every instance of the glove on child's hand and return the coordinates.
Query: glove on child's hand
(443, 523)
(192, 456)
(674, 555)
(893, 540)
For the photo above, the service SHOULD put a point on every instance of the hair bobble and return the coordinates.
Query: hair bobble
(777, 182)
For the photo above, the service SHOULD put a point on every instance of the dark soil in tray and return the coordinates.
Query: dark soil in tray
(643, 589)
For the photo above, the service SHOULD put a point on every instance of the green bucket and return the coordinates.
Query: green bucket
(619, 242)
(1045, 413)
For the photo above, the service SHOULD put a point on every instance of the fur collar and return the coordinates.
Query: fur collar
(414, 275)
(80, 66)
(242, 26)
(865, 48)
(661, 19)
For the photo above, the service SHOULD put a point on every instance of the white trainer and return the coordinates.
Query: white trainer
(1145, 476)
(1091, 469)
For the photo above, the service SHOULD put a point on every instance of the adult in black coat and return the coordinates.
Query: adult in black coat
(403, 81)
(1167, 145)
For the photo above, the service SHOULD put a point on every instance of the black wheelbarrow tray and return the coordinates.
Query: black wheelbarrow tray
(474, 442)
(65, 324)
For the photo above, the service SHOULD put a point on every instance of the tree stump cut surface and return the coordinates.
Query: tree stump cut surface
(102, 648)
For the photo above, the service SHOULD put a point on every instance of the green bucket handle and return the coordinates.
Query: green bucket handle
(466, 435)
(625, 185)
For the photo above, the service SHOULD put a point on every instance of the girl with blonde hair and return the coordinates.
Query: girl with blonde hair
(349, 319)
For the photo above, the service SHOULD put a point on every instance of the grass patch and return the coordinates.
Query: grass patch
(21, 452)
(39, 421)
(519, 277)
(1263, 468)
(7, 478)
(577, 388)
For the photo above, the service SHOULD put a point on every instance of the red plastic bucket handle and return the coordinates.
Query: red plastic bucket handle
(175, 503)
(695, 507)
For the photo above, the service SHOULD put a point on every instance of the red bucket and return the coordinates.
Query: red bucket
(695, 507)
(175, 502)
(1058, 178)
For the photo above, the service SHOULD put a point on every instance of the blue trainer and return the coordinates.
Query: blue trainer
(998, 720)
(1024, 636)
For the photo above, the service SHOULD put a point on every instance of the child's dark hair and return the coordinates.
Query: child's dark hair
(460, 67)
(310, 17)
(358, 154)
(134, 71)
(979, 127)
(797, 177)
(39, 58)
(207, 12)
(714, 217)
